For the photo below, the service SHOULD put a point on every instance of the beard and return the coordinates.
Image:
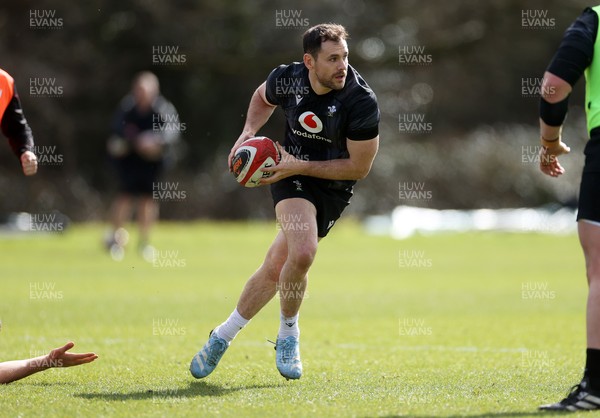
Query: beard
(331, 83)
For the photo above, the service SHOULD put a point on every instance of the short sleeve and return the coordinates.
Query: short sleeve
(576, 49)
(363, 119)
(271, 85)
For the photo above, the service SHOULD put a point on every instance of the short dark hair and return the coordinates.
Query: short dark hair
(315, 36)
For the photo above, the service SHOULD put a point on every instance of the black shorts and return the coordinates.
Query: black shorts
(589, 190)
(589, 197)
(329, 197)
(137, 176)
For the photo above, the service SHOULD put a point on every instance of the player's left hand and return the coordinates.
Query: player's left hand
(288, 166)
(29, 163)
(59, 357)
(549, 164)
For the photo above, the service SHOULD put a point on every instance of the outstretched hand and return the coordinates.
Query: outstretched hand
(60, 357)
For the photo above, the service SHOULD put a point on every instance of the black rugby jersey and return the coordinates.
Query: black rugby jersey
(161, 118)
(318, 125)
(129, 122)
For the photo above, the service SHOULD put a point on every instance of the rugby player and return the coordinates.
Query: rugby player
(331, 139)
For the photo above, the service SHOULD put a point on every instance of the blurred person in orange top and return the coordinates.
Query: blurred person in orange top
(14, 125)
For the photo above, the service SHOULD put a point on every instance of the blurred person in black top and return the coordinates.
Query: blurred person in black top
(331, 139)
(14, 125)
(138, 147)
(574, 58)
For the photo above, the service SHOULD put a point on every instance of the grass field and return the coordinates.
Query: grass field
(450, 325)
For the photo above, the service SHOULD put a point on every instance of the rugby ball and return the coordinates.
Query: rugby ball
(254, 153)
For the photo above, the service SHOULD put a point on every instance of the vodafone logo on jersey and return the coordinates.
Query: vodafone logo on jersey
(311, 122)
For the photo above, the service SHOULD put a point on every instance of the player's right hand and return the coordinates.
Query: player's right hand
(29, 163)
(244, 136)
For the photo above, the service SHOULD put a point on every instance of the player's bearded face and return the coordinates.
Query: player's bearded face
(331, 64)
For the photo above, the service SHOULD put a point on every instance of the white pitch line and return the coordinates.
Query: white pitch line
(462, 349)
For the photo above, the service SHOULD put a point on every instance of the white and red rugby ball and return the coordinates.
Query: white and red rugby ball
(254, 153)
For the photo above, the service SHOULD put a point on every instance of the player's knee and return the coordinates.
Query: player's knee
(273, 273)
(303, 257)
(593, 272)
(273, 265)
(594, 285)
